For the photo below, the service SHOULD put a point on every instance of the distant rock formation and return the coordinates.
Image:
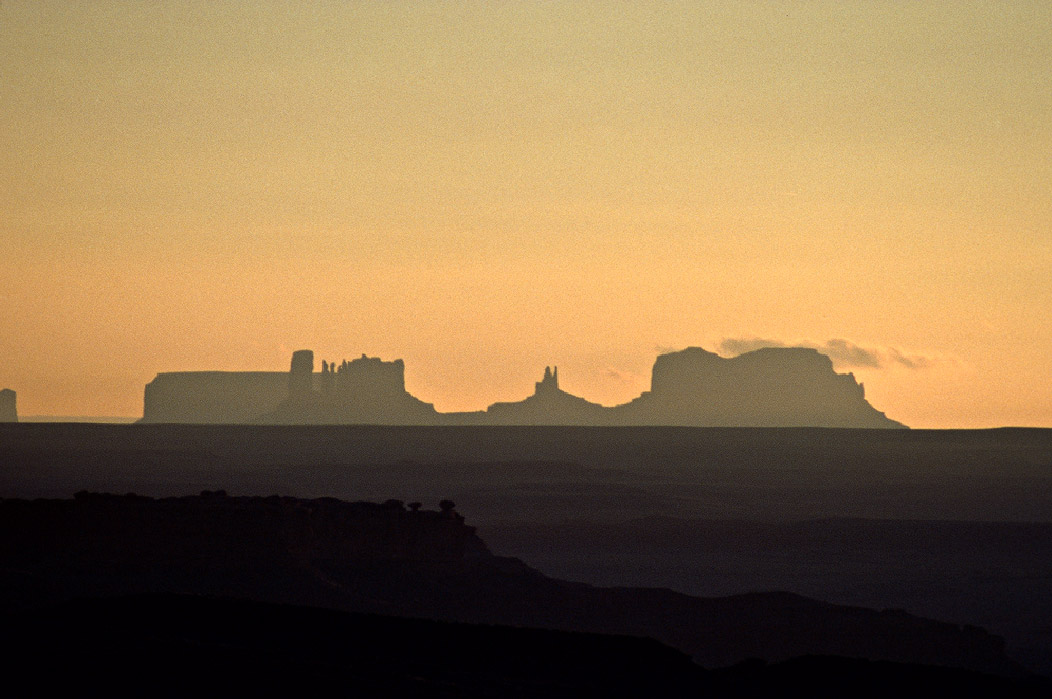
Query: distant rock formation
(8, 406)
(769, 387)
(213, 397)
(549, 405)
(366, 390)
(301, 376)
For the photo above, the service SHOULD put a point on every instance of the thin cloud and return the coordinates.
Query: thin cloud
(741, 345)
(844, 353)
(910, 361)
(626, 377)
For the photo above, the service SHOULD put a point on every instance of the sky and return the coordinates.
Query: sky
(486, 188)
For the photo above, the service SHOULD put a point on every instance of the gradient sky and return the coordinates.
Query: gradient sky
(482, 189)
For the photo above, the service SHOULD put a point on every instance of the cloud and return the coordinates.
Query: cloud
(741, 345)
(626, 377)
(911, 361)
(844, 353)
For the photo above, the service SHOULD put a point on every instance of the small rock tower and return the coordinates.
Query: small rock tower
(550, 382)
(301, 375)
(8, 408)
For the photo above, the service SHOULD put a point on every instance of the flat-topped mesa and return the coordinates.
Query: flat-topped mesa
(775, 368)
(769, 387)
(8, 406)
(213, 397)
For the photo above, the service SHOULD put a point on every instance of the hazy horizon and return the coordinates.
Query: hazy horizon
(485, 189)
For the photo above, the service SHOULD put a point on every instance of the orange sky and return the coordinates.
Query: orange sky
(482, 189)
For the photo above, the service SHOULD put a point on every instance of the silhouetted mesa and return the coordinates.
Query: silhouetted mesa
(362, 391)
(770, 387)
(384, 558)
(215, 397)
(8, 406)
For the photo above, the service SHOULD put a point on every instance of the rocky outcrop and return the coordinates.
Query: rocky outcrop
(549, 405)
(366, 390)
(770, 387)
(370, 390)
(8, 406)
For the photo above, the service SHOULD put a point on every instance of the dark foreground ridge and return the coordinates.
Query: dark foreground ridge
(770, 387)
(392, 560)
(179, 645)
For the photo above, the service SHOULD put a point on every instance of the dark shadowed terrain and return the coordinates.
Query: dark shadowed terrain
(112, 585)
(198, 646)
(553, 473)
(949, 525)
